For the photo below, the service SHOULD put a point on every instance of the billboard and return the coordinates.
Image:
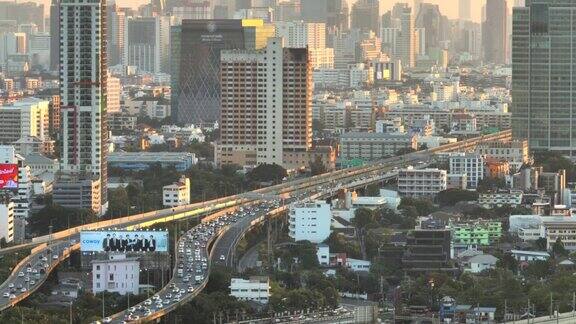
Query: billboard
(8, 176)
(124, 241)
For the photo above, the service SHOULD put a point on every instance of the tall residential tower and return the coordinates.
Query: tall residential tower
(83, 72)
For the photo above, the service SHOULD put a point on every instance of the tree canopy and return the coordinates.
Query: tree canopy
(267, 173)
(450, 197)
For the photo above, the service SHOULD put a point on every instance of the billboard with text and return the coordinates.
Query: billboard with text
(124, 241)
(8, 176)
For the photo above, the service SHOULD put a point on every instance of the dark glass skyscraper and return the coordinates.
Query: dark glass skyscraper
(544, 75)
(196, 47)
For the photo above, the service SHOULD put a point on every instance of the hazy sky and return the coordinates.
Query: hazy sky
(447, 7)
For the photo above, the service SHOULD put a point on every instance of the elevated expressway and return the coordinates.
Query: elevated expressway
(363, 175)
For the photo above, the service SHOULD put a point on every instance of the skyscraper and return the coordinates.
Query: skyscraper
(195, 63)
(494, 31)
(406, 42)
(116, 24)
(55, 35)
(464, 10)
(266, 106)
(544, 75)
(83, 73)
(431, 20)
(365, 15)
(147, 43)
(332, 12)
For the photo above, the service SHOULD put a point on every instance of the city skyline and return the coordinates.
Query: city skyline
(447, 7)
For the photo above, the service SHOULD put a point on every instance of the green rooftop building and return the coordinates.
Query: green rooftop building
(476, 233)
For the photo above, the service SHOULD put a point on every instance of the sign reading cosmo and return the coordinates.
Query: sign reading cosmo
(124, 241)
(8, 176)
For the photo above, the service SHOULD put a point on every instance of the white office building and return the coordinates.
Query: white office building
(310, 221)
(470, 164)
(117, 274)
(7, 220)
(421, 182)
(177, 194)
(499, 199)
(256, 289)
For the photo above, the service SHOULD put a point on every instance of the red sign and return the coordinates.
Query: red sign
(8, 176)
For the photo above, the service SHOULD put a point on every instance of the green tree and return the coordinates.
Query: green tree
(490, 184)
(317, 166)
(558, 249)
(118, 202)
(423, 206)
(404, 151)
(59, 218)
(450, 197)
(267, 173)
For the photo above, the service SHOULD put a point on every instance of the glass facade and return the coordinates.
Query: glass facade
(196, 47)
(543, 75)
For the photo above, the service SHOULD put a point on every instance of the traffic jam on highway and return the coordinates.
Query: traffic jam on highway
(191, 266)
(30, 274)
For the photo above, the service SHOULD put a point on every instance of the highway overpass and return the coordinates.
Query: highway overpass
(346, 178)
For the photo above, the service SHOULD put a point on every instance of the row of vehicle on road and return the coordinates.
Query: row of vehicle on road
(192, 265)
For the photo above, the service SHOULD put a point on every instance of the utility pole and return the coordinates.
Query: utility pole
(573, 303)
(551, 314)
(103, 296)
(505, 310)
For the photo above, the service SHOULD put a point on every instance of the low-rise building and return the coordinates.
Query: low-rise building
(76, 191)
(499, 199)
(116, 274)
(456, 181)
(256, 289)
(358, 265)
(6, 219)
(560, 227)
(421, 182)
(176, 194)
(527, 256)
(323, 254)
(470, 164)
(481, 263)
(515, 152)
(475, 233)
(310, 221)
(139, 161)
(374, 146)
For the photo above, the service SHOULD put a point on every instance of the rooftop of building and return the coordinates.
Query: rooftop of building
(353, 135)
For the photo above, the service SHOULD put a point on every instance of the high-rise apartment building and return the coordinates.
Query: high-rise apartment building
(116, 26)
(266, 107)
(406, 42)
(495, 36)
(195, 62)
(299, 34)
(146, 45)
(83, 76)
(54, 35)
(543, 75)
